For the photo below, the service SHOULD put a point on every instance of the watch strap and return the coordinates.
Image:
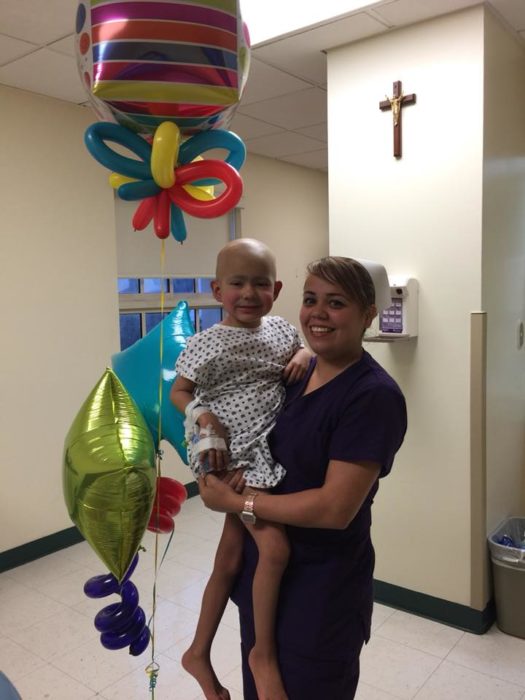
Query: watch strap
(248, 511)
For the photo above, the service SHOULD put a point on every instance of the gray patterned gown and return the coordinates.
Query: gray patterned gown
(238, 373)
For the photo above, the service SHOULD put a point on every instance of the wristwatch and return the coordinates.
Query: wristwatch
(247, 513)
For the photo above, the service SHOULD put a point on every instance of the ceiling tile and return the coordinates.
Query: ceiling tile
(302, 54)
(312, 159)
(250, 128)
(11, 49)
(279, 145)
(65, 45)
(47, 73)
(265, 82)
(293, 56)
(316, 131)
(291, 111)
(513, 11)
(345, 30)
(402, 12)
(39, 22)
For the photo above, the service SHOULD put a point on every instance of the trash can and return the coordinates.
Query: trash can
(507, 553)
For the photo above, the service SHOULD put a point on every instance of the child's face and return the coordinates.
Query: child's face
(246, 288)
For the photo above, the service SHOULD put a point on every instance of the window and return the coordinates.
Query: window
(154, 285)
(127, 285)
(139, 304)
(130, 329)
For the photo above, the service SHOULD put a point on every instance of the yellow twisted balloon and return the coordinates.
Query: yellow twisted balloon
(164, 158)
(164, 154)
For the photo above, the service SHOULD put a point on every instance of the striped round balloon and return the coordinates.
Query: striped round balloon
(144, 62)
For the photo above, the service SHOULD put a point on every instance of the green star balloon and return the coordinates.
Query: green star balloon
(109, 473)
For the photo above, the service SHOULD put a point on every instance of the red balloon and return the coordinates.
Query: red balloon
(167, 504)
(171, 494)
(160, 522)
(173, 488)
(203, 170)
(144, 213)
(161, 218)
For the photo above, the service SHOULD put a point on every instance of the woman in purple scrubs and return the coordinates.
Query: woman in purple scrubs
(336, 436)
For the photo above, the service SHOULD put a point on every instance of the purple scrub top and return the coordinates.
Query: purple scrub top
(325, 601)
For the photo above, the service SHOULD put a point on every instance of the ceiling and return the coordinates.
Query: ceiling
(282, 113)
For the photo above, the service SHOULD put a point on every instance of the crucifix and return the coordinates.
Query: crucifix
(396, 103)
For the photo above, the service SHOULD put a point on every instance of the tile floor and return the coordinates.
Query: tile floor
(50, 649)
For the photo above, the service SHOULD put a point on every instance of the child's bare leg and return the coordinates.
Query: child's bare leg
(274, 552)
(197, 658)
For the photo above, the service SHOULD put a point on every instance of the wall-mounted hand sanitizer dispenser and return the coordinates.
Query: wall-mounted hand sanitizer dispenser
(399, 320)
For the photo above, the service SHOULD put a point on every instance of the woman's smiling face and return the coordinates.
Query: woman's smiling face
(332, 323)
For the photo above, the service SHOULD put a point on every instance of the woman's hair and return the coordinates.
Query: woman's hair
(350, 275)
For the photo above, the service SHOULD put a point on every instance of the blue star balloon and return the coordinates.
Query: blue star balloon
(139, 369)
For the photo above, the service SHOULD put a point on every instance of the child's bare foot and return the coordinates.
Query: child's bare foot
(267, 676)
(200, 668)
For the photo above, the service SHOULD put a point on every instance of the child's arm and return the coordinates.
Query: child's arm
(181, 395)
(298, 366)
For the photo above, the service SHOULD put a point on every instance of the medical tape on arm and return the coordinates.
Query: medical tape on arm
(209, 440)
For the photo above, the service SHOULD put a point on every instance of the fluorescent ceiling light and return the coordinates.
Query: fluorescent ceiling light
(267, 19)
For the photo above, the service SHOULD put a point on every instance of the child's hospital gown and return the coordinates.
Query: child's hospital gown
(238, 376)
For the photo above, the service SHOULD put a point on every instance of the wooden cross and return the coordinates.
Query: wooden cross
(396, 103)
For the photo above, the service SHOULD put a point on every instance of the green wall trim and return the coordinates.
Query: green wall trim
(53, 543)
(453, 614)
(192, 488)
(39, 548)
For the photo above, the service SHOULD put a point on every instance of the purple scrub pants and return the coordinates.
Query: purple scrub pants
(304, 678)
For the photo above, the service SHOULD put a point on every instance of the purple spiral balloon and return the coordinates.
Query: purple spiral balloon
(120, 624)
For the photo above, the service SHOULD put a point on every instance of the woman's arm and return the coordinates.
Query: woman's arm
(334, 505)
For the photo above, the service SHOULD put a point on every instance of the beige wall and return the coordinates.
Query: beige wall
(59, 301)
(286, 206)
(59, 269)
(138, 252)
(420, 216)
(504, 270)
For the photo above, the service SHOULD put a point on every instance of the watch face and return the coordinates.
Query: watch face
(248, 517)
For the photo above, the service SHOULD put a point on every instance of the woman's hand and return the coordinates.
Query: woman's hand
(234, 479)
(219, 495)
(298, 366)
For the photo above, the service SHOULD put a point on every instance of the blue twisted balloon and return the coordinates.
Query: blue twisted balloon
(120, 624)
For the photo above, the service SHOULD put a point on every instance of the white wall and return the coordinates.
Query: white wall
(504, 270)
(421, 216)
(60, 316)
